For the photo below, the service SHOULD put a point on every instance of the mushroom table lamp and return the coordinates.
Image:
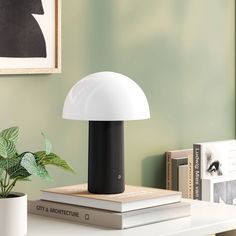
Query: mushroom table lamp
(106, 100)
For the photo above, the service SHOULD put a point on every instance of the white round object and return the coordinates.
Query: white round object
(106, 96)
(13, 215)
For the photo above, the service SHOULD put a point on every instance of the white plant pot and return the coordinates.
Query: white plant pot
(13, 215)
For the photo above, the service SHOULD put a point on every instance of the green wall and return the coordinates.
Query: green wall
(181, 52)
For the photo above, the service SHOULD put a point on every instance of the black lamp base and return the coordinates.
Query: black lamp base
(106, 157)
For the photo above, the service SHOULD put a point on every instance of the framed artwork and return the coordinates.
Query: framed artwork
(219, 189)
(30, 36)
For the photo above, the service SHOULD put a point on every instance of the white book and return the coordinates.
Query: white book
(109, 219)
(212, 159)
(133, 198)
(183, 180)
(217, 158)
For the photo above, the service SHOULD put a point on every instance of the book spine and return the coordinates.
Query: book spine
(197, 172)
(176, 162)
(207, 191)
(75, 213)
(168, 171)
(174, 174)
(183, 180)
(190, 176)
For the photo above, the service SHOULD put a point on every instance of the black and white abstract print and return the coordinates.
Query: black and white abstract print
(225, 192)
(20, 33)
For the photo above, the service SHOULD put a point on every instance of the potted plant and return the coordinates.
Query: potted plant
(16, 167)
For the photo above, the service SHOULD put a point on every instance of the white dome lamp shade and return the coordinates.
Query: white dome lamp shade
(106, 99)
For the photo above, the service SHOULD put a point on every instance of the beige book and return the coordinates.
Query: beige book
(183, 180)
(133, 198)
(169, 156)
(109, 219)
(190, 176)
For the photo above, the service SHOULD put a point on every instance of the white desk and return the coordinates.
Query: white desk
(207, 218)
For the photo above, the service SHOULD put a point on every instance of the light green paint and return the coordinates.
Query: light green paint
(181, 52)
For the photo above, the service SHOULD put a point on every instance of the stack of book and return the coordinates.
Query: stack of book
(135, 207)
(206, 172)
(177, 167)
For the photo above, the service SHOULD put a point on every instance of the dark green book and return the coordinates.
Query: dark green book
(176, 162)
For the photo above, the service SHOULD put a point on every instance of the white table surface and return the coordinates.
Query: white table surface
(207, 218)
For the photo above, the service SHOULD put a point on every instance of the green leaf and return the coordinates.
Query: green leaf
(11, 134)
(13, 167)
(2, 172)
(48, 145)
(29, 163)
(18, 171)
(7, 148)
(39, 156)
(11, 148)
(7, 163)
(43, 173)
(3, 150)
(52, 159)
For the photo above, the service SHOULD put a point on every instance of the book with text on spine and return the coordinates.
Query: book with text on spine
(212, 159)
(109, 219)
(173, 154)
(190, 176)
(133, 198)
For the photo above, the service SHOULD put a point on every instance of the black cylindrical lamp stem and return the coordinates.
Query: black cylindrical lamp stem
(106, 157)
